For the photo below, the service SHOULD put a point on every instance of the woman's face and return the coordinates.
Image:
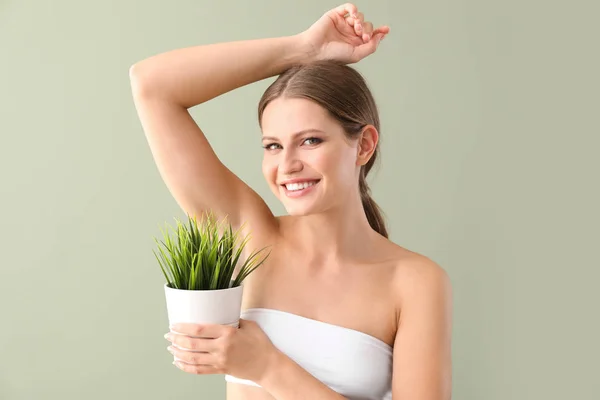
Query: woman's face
(308, 161)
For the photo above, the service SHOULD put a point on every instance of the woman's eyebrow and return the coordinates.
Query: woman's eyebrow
(302, 132)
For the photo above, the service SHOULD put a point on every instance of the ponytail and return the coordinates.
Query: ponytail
(373, 211)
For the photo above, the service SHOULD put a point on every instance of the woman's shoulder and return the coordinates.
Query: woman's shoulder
(404, 258)
(419, 281)
(413, 270)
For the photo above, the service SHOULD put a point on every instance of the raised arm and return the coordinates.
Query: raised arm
(166, 85)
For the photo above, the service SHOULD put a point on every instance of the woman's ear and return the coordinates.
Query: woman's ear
(367, 143)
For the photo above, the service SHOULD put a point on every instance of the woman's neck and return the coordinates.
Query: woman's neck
(332, 237)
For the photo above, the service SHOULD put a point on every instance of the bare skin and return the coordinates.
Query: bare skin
(326, 262)
(360, 295)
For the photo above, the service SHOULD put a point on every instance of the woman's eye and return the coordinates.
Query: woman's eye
(270, 146)
(313, 140)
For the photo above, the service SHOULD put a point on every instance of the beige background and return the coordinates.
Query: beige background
(490, 167)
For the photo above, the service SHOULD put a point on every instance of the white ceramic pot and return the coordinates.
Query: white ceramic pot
(221, 306)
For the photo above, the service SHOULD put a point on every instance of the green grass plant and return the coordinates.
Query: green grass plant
(203, 255)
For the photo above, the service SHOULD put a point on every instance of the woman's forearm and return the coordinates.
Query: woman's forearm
(190, 76)
(289, 381)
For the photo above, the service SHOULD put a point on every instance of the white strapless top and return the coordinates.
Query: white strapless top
(356, 365)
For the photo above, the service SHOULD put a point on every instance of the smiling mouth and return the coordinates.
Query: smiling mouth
(296, 187)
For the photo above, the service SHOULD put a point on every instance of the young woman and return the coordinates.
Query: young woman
(338, 310)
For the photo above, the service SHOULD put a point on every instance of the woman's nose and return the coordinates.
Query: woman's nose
(290, 164)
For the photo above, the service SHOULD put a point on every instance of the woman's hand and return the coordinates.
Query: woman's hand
(245, 352)
(342, 34)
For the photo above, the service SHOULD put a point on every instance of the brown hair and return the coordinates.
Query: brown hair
(343, 92)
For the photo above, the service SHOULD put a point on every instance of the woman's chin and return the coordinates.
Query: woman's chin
(299, 209)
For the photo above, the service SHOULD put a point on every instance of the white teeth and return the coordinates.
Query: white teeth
(299, 186)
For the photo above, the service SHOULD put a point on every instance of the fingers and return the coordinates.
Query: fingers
(355, 19)
(358, 27)
(370, 46)
(377, 34)
(345, 9)
(362, 28)
(195, 355)
(188, 343)
(383, 29)
(197, 369)
(207, 331)
(182, 328)
(359, 18)
(191, 357)
(367, 29)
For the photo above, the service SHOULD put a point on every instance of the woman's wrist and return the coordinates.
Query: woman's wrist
(274, 363)
(301, 50)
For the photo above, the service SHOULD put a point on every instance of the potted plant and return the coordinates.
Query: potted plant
(198, 264)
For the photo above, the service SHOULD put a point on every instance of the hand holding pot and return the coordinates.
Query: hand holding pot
(245, 352)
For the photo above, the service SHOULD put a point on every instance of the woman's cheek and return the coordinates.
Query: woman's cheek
(269, 172)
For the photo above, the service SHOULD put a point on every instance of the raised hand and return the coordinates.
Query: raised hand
(342, 34)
